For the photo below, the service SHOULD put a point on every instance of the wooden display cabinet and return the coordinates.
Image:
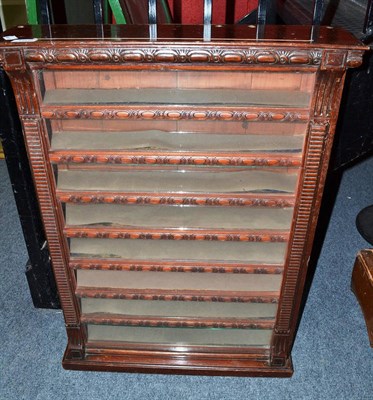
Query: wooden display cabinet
(179, 182)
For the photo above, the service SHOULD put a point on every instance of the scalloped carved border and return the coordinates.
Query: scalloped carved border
(101, 265)
(174, 199)
(270, 161)
(179, 55)
(200, 115)
(175, 322)
(102, 293)
(168, 234)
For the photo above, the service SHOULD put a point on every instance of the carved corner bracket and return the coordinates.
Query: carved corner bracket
(354, 58)
(13, 63)
(12, 60)
(338, 60)
(334, 60)
(168, 114)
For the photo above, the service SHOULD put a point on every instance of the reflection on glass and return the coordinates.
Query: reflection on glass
(186, 250)
(181, 336)
(175, 141)
(211, 180)
(178, 308)
(179, 281)
(112, 215)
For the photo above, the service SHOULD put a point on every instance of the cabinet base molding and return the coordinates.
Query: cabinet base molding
(248, 365)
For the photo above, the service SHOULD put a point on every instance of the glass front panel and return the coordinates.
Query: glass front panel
(180, 250)
(181, 336)
(192, 309)
(179, 281)
(173, 89)
(142, 216)
(179, 179)
(180, 136)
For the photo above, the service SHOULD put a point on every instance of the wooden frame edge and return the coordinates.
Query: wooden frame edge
(216, 367)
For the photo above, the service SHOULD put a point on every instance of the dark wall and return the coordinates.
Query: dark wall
(79, 12)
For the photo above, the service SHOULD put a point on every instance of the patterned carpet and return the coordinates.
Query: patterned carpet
(332, 357)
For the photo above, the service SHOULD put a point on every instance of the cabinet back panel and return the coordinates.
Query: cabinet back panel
(178, 79)
(171, 97)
